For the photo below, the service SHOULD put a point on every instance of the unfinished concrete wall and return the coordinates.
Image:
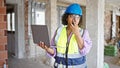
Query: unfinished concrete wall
(3, 37)
(108, 25)
(26, 28)
(114, 8)
(84, 16)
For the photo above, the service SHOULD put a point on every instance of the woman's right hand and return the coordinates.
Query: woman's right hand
(48, 49)
(42, 45)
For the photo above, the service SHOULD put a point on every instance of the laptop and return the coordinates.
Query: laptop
(40, 33)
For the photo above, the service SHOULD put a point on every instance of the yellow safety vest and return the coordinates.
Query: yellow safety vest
(62, 40)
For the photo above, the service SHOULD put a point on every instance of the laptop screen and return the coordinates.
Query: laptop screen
(40, 33)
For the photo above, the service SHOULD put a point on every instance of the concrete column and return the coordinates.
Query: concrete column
(51, 15)
(19, 30)
(51, 20)
(95, 26)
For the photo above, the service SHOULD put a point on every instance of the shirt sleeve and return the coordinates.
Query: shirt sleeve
(87, 43)
(53, 46)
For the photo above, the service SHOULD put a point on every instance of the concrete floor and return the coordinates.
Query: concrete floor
(114, 62)
(27, 63)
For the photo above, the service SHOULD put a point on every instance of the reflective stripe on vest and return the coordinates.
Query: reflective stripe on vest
(69, 55)
(56, 65)
(71, 61)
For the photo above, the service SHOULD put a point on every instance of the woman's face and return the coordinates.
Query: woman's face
(73, 19)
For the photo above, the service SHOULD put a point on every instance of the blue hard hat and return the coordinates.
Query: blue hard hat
(74, 9)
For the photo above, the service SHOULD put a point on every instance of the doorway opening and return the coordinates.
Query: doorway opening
(11, 29)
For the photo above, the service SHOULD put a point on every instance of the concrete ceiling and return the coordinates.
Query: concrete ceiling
(113, 2)
(82, 2)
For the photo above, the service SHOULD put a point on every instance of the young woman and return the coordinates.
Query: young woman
(70, 43)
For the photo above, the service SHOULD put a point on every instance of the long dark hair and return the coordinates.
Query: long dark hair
(64, 21)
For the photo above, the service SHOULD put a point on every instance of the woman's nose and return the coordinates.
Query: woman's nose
(74, 19)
